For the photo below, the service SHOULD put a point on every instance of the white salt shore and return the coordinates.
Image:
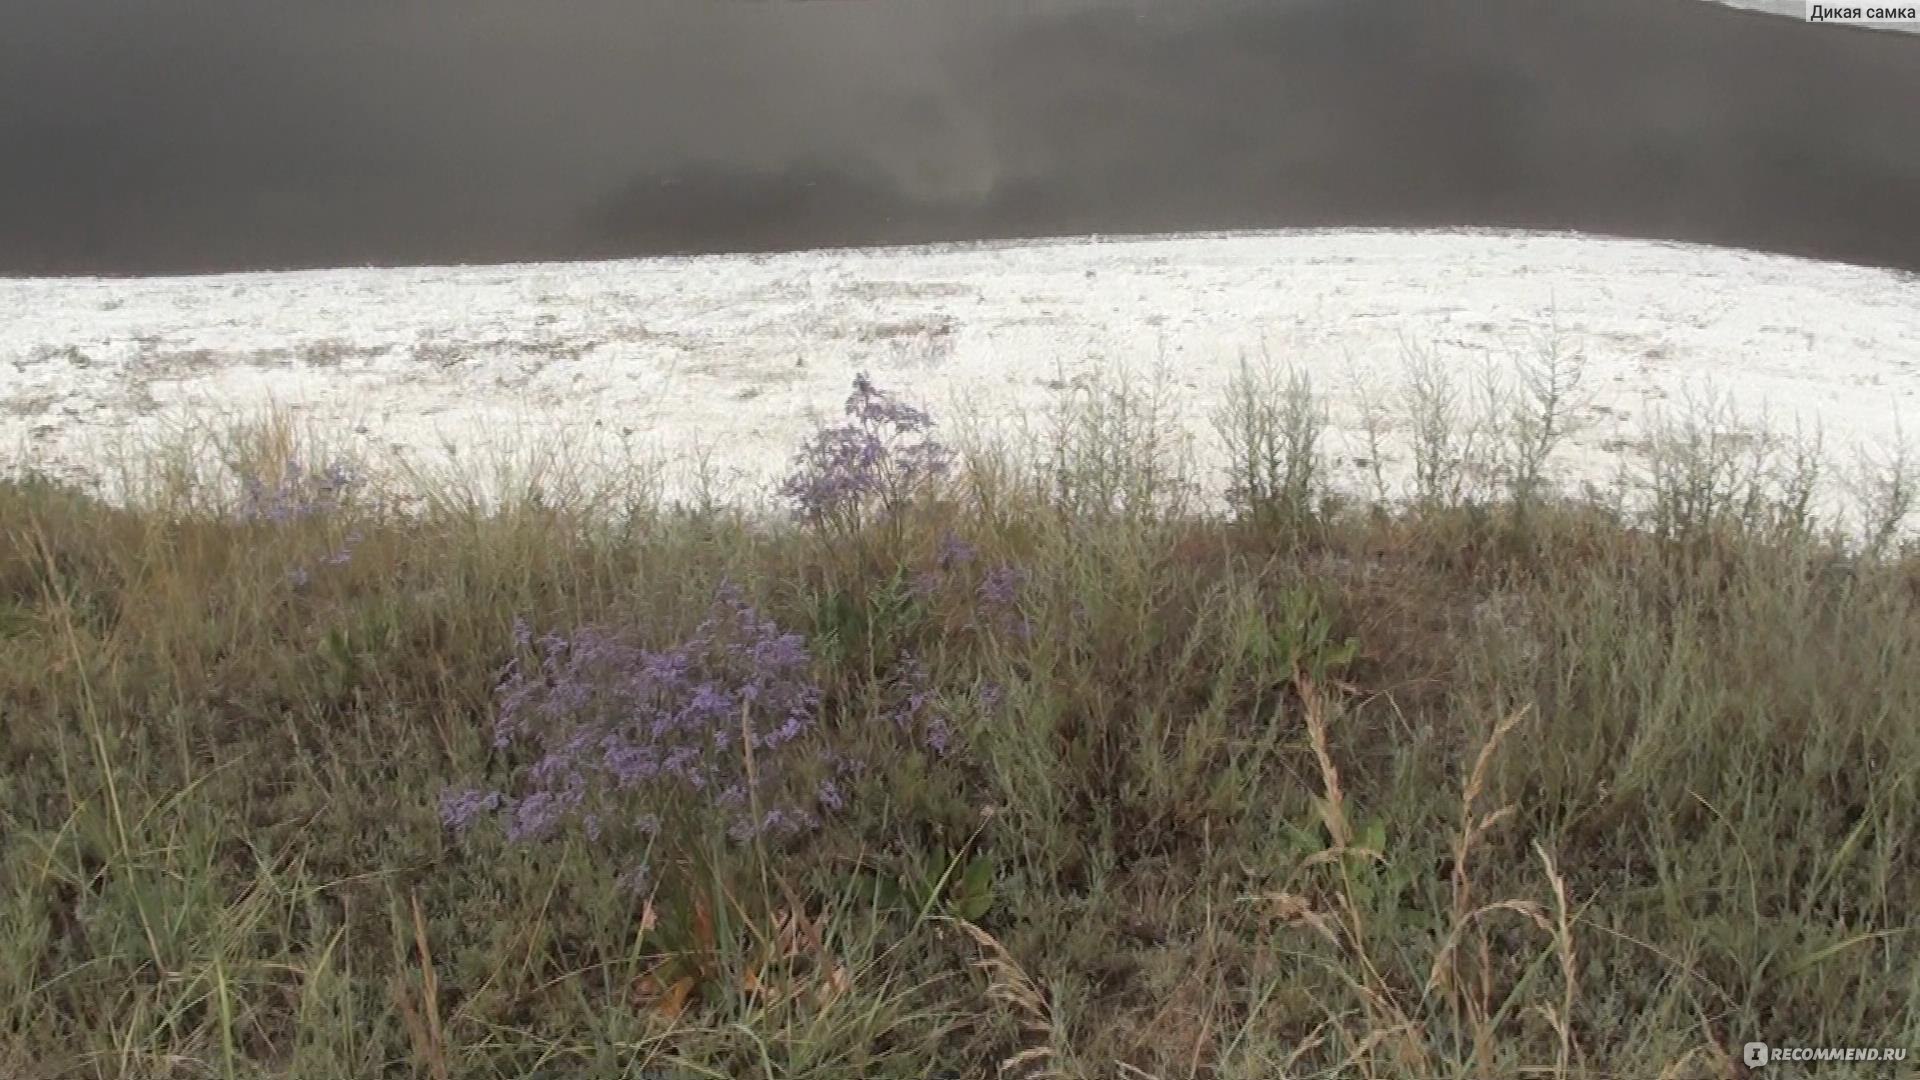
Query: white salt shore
(739, 358)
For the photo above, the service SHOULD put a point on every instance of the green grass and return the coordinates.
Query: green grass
(1502, 787)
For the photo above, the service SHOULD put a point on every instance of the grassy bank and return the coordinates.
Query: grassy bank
(968, 766)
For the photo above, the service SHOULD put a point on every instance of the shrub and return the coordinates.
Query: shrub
(633, 744)
(877, 462)
(1271, 427)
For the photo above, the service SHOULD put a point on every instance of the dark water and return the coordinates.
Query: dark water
(143, 136)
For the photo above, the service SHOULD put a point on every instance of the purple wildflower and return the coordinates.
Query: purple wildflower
(938, 735)
(460, 809)
(537, 816)
(954, 552)
(612, 722)
(830, 795)
(297, 493)
(637, 880)
(844, 766)
(915, 709)
(776, 823)
(1000, 592)
(1001, 586)
(882, 455)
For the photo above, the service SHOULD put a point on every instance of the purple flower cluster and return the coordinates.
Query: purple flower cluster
(302, 576)
(915, 707)
(954, 552)
(297, 493)
(998, 590)
(461, 809)
(345, 555)
(882, 456)
(625, 734)
(991, 694)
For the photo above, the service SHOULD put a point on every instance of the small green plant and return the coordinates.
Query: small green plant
(1542, 418)
(1443, 438)
(1272, 427)
(1117, 450)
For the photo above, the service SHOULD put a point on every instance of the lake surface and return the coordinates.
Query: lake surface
(203, 135)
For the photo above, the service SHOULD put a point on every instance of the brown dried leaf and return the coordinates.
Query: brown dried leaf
(674, 1002)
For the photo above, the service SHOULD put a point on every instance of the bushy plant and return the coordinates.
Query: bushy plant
(632, 744)
(871, 466)
(1271, 427)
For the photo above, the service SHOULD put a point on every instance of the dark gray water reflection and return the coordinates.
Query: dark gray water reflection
(221, 134)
